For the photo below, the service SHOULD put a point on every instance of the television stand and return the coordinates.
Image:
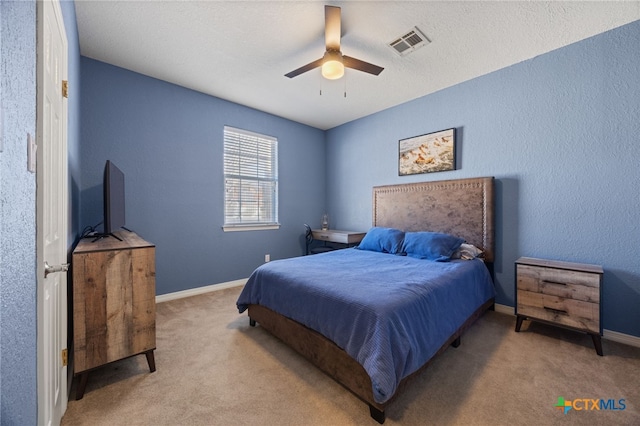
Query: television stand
(114, 303)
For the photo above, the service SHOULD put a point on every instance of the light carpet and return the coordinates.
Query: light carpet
(214, 369)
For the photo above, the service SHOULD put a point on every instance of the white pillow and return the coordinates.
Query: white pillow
(467, 252)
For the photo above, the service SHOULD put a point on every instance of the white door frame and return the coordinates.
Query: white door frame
(52, 217)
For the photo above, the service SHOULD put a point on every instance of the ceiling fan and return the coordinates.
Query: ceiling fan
(333, 61)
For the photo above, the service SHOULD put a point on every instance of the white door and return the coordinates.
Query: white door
(51, 211)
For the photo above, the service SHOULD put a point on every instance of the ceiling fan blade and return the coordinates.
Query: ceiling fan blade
(305, 68)
(332, 31)
(359, 65)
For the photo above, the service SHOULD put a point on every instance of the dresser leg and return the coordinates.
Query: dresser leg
(151, 360)
(519, 320)
(82, 385)
(597, 342)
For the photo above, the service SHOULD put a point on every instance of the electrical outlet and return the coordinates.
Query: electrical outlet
(267, 258)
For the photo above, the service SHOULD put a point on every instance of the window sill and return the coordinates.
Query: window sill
(236, 228)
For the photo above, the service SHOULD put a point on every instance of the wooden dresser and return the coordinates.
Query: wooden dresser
(114, 308)
(560, 293)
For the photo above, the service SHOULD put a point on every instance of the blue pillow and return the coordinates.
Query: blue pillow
(384, 240)
(431, 245)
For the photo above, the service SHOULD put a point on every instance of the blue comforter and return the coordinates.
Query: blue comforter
(390, 313)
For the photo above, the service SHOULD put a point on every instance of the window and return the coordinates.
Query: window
(250, 180)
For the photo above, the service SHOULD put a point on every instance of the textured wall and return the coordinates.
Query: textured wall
(168, 142)
(560, 134)
(17, 217)
(2, 72)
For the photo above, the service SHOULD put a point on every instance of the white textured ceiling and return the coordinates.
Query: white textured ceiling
(240, 50)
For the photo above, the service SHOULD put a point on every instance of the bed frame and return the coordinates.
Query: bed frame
(462, 207)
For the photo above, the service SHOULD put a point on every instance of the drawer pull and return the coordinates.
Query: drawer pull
(553, 282)
(556, 311)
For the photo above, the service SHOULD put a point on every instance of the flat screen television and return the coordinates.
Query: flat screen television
(114, 213)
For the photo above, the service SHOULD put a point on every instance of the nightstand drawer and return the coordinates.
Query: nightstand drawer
(560, 310)
(563, 283)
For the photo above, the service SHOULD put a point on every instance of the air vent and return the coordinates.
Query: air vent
(410, 42)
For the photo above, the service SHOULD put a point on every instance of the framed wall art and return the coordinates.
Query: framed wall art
(433, 152)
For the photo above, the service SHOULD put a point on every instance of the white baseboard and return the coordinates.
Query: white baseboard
(614, 336)
(626, 339)
(504, 309)
(199, 290)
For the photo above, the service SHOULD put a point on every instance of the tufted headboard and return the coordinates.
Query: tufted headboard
(461, 207)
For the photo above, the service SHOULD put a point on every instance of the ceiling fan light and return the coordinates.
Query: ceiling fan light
(332, 70)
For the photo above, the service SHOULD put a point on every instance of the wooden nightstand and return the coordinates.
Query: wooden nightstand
(560, 293)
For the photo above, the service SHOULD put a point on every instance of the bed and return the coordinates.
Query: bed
(374, 318)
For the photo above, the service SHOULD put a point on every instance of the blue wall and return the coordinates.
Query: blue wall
(17, 217)
(168, 142)
(560, 134)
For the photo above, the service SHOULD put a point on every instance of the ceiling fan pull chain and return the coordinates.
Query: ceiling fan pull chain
(345, 85)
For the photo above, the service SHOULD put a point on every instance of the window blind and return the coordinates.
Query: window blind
(250, 178)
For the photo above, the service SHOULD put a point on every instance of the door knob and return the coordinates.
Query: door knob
(48, 269)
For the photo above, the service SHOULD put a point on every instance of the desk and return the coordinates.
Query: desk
(349, 238)
(343, 238)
